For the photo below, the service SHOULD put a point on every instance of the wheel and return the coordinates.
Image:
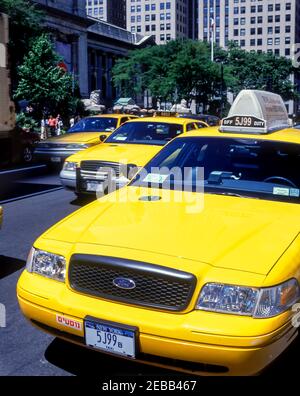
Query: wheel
(27, 155)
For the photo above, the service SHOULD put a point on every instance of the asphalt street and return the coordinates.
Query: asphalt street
(30, 207)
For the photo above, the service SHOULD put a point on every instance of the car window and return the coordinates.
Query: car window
(94, 124)
(252, 167)
(191, 126)
(157, 133)
(200, 125)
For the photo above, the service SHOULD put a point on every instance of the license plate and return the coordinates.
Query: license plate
(113, 338)
(55, 159)
(94, 186)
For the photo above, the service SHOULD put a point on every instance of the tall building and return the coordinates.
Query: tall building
(165, 20)
(111, 11)
(270, 26)
(260, 25)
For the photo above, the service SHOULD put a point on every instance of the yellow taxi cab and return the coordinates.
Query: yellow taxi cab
(129, 147)
(192, 266)
(85, 133)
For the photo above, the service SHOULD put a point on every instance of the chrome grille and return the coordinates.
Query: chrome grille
(155, 286)
(98, 169)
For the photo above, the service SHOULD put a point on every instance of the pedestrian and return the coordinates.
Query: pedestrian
(43, 128)
(52, 125)
(72, 121)
(59, 125)
(77, 118)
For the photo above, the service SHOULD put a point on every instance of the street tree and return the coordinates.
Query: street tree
(25, 24)
(43, 82)
(184, 67)
(260, 71)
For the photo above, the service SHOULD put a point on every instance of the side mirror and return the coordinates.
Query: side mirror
(102, 138)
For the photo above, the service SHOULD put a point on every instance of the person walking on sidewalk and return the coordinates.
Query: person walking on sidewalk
(52, 125)
(43, 128)
(59, 125)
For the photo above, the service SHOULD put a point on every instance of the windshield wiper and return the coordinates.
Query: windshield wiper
(231, 194)
(216, 177)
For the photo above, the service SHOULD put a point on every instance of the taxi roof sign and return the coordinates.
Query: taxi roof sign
(256, 111)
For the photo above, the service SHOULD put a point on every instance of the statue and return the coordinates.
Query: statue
(94, 102)
(181, 108)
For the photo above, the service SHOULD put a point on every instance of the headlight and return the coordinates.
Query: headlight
(274, 300)
(240, 300)
(70, 166)
(227, 298)
(47, 264)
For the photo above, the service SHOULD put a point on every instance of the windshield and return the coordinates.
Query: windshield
(157, 133)
(243, 167)
(94, 124)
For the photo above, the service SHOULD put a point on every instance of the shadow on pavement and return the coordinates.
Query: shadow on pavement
(81, 361)
(9, 265)
(82, 201)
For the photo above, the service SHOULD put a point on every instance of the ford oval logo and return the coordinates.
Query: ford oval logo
(124, 283)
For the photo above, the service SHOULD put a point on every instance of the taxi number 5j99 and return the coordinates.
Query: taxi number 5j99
(243, 121)
(107, 338)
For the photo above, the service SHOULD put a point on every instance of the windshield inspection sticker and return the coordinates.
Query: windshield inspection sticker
(155, 178)
(287, 192)
(122, 138)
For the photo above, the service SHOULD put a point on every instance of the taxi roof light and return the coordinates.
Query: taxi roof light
(255, 112)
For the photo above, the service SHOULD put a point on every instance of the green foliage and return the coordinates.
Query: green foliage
(184, 67)
(43, 83)
(25, 22)
(260, 71)
(25, 121)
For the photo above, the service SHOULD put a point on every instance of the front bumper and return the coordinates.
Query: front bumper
(53, 156)
(165, 339)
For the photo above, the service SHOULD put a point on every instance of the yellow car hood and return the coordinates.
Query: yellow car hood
(80, 137)
(235, 233)
(124, 153)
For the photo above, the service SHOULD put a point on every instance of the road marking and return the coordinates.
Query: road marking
(30, 195)
(22, 169)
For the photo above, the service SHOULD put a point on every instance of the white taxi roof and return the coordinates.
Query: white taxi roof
(255, 111)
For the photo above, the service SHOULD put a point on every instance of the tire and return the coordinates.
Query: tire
(27, 155)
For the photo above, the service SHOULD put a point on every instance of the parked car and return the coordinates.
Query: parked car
(88, 132)
(128, 148)
(28, 142)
